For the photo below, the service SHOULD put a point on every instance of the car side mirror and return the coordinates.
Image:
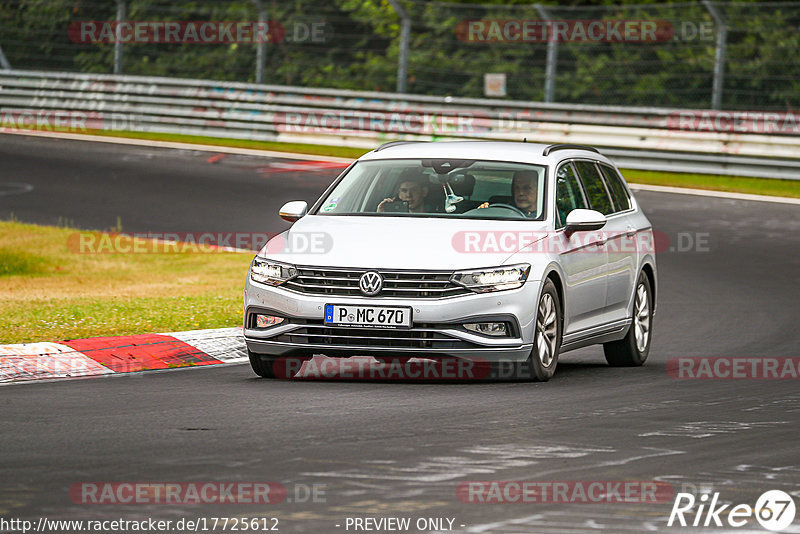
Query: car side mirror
(292, 211)
(580, 220)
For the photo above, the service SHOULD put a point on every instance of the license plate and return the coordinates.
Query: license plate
(373, 316)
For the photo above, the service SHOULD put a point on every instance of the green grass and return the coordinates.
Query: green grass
(70, 294)
(59, 318)
(738, 184)
(17, 262)
(296, 148)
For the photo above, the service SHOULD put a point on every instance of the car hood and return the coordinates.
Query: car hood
(385, 242)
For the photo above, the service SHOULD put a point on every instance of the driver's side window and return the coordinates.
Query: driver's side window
(569, 195)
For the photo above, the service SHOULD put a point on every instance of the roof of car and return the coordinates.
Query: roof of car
(484, 150)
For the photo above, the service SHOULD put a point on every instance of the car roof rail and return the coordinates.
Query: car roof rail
(552, 148)
(395, 143)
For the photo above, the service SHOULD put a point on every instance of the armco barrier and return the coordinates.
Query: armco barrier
(643, 138)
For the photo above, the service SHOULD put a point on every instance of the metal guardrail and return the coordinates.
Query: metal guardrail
(642, 138)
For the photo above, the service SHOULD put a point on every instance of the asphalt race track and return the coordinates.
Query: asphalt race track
(90, 185)
(401, 449)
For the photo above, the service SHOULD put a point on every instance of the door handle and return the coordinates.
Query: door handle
(631, 231)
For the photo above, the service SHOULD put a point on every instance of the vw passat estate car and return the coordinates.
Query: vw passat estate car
(488, 252)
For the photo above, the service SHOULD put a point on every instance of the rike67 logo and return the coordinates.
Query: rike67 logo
(774, 510)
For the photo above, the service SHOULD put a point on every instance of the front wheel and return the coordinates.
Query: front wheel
(263, 366)
(632, 350)
(547, 338)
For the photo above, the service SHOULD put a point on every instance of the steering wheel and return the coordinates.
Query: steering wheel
(508, 207)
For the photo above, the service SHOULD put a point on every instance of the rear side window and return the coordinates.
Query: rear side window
(595, 189)
(568, 193)
(618, 192)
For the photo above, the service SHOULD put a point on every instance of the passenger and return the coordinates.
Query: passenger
(413, 189)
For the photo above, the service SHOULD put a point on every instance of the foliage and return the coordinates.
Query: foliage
(361, 42)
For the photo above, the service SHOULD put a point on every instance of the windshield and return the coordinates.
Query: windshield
(439, 188)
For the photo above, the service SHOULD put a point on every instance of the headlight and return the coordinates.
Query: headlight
(487, 280)
(269, 272)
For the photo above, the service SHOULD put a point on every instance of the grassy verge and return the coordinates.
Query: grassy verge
(57, 293)
(738, 184)
(296, 148)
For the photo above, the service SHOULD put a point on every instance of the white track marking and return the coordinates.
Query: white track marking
(47, 361)
(16, 188)
(609, 463)
(224, 344)
(181, 146)
(717, 194)
(44, 361)
(312, 157)
(707, 429)
(492, 527)
(479, 460)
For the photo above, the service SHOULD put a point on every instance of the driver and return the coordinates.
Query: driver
(525, 192)
(413, 189)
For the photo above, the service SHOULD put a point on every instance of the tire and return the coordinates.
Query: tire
(262, 365)
(632, 350)
(542, 362)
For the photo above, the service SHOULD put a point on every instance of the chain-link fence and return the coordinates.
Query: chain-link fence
(740, 55)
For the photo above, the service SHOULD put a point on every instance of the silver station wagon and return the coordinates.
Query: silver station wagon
(494, 253)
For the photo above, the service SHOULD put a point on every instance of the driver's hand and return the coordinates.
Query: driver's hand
(383, 203)
(484, 205)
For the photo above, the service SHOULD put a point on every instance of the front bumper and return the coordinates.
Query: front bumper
(436, 333)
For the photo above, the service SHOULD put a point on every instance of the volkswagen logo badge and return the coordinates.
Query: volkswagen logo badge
(370, 283)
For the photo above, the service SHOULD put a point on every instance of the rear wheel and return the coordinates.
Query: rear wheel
(543, 359)
(632, 350)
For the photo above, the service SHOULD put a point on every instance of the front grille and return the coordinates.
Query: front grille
(396, 284)
(422, 336)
